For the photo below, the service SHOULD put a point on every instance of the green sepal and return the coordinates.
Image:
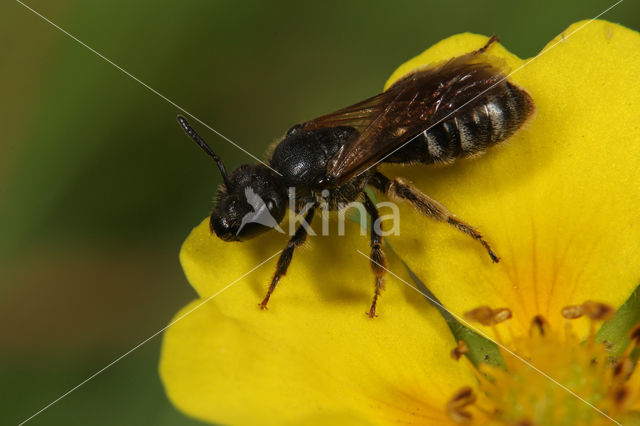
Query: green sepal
(615, 332)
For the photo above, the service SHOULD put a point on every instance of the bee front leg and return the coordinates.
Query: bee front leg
(287, 254)
(378, 262)
(399, 188)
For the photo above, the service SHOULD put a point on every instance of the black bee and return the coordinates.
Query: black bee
(435, 114)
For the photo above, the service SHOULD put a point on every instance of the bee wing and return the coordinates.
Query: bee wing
(416, 102)
(359, 116)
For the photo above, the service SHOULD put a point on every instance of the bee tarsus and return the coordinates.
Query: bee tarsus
(378, 261)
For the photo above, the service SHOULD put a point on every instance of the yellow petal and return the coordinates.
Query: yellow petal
(559, 202)
(314, 355)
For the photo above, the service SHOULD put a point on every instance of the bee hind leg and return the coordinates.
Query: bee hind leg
(378, 262)
(400, 188)
(494, 38)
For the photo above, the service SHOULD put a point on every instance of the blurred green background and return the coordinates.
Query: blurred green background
(99, 187)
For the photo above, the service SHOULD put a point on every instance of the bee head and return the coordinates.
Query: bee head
(250, 201)
(254, 201)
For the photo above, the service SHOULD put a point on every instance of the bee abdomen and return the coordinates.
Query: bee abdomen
(492, 119)
(487, 121)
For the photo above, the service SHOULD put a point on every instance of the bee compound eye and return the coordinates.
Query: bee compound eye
(222, 228)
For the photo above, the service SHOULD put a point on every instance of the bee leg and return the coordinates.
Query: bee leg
(494, 38)
(378, 262)
(402, 189)
(287, 254)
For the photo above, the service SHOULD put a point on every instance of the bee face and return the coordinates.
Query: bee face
(254, 203)
(226, 217)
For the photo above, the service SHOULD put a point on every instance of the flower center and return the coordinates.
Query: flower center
(563, 381)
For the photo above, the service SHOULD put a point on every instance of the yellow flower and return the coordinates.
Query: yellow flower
(313, 354)
(559, 202)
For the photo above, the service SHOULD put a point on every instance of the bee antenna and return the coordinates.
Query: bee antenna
(197, 139)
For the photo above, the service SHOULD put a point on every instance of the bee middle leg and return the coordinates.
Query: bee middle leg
(378, 262)
(284, 260)
(402, 189)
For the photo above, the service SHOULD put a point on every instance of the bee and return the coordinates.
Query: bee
(434, 114)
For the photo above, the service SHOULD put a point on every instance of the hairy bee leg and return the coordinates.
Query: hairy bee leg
(494, 38)
(402, 189)
(284, 260)
(378, 261)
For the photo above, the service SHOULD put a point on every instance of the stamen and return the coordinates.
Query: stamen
(456, 407)
(598, 311)
(490, 317)
(623, 369)
(459, 350)
(462, 349)
(620, 396)
(518, 395)
(572, 311)
(539, 326)
(501, 314)
(481, 314)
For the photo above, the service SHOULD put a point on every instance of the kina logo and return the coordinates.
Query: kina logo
(260, 213)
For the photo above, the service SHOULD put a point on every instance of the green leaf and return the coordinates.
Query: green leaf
(481, 349)
(615, 332)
